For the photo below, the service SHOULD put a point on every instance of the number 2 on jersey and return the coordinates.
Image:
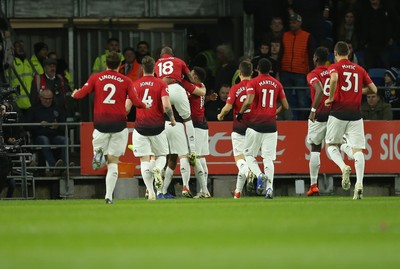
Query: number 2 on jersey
(108, 99)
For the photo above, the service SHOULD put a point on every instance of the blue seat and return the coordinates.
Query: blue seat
(377, 75)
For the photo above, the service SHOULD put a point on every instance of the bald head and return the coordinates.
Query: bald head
(166, 50)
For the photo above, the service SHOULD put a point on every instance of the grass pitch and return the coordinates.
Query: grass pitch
(328, 232)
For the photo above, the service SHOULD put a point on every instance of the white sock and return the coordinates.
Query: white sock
(205, 168)
(111, 179)
(336, 157)
(190, 135)
(348, 150)
(147, 177)
(241, 179)
(242, 166)
(314, 165)
(185, 171)
(253, 165)
(359, 163)
(269, 170)
(199, 173)
(169, 173)
(160, 162)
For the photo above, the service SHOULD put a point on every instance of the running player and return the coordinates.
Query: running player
(149, 135)
(236, 97)
(263, 93)
(346, 88)
(110, 135)
(318, 80)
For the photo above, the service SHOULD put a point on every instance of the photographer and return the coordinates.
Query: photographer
(9, 136)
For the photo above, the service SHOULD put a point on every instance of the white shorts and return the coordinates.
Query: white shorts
(201, 140)
(112, 143)
(177, 140)
(352, 130)
(179, 99)
(237, 143)
(149, 145)
(254, 140)
(316, 132)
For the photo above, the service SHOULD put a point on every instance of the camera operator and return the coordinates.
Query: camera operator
(10, 136)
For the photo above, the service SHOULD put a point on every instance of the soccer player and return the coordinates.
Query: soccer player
(318, 80)
(346, 88)
(172, 69)
(197, 94)
(110, 135)
(263, 93)
(178, 147)
(149, 135)
(236, 97)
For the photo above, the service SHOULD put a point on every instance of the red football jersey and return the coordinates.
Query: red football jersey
(196, 106)
(150, 90)
(110, 91)
(171, 67)
(348, 94)
(236, 97)
(321, 74)
(267, 90)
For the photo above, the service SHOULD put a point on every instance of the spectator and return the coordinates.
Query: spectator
(274, 56)
(276, 30)
(204, 57)
(130, 67)
(213, 108)
(376, 33)
(21, 74)
(391, 92)
(226, 66)
(50, 132)
(142, 49)
(41, 50)
(263, 52)
(100, 62)
(347, 29)
(315, 14)
(52, 81)
(298, 48)
(62, 69)
(376, 109)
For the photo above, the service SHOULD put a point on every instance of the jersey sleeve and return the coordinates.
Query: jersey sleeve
(250, 88)
(366, 78)
(189, 87)
(231, 96)
(87, 88)
(311, 79)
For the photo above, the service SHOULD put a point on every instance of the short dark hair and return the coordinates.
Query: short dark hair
(342, 48)
(128, 49)
(200, 72)
(142, 42)
(322, 54)
(148, 65)
(246, 68)
(113, 60)
(112, 39)
(264, 66)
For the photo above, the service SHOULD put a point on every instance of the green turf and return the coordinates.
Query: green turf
(318, 232)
